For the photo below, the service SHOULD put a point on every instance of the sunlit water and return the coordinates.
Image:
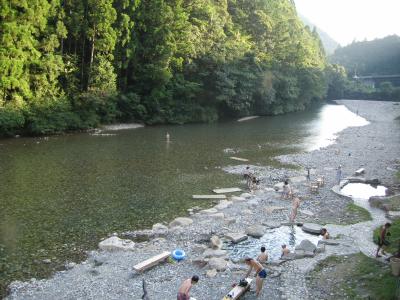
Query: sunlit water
(363, 191)
(60, 195)
(273, 239)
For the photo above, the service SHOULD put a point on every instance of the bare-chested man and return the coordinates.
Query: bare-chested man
(295, 206)
(263, 256)
(183, 292)
(285, 251)
(261, 273)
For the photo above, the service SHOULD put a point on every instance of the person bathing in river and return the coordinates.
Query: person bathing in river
(295, 206)
(263, 256)
(325, 234)
(285, 251)
(261, 273)
(183, 292)
(382, 239)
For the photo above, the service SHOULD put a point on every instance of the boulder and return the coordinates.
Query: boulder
(289, 256)
(393, 215)
(236, 237)
(215, 242)
(209, 211)
(312, 228)
(329, 242)
(114, 243)
(217, 216)
(255, 231)
(320, 248)
(160, 229)
(214, 253)
(223, 204)
(272, 224)
(299, 254)
(237, 198)
(217, 263)
(306, 246)
(181, 222)
(211, 273)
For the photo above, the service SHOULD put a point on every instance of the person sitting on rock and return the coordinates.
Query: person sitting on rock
(285, 251)
(183, 292)
(325, 234)
(263, 256)
(261, 273)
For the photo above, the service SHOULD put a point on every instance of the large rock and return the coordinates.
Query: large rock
(393, 215)
(181, 222)
(256, 231)
(312, 228)
(306, 246)
(223, 204)
(214, 253)
(160, 229)
(218, 264)
(215, 242)
(114, 243)
(236, 237)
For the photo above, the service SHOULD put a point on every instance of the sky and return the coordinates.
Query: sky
(348, 20)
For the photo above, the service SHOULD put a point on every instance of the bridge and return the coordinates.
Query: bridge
(375, 80)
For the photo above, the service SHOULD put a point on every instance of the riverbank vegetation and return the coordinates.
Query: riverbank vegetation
(70, 65)
(353, 277)
(367, 58)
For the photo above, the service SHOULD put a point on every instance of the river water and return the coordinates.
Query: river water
(61, 194)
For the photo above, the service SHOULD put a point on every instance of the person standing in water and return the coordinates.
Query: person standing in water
(167, 137)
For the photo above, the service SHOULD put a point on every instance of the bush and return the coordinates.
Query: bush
(11, 120)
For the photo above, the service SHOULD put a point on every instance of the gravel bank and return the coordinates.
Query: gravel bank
(108, 275)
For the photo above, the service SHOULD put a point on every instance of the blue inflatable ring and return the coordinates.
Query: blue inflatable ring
(178, 254)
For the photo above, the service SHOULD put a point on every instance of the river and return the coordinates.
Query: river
(61, 194)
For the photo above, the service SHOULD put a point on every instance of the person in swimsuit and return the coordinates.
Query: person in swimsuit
(295, 206)
(325, 234)
(261, 273)
(285, 251)
(263, 256)
(183, 292)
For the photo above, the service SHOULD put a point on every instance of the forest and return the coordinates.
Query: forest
(74, 64)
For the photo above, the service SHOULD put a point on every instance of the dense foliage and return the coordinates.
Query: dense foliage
(377, 57)
(73, 64)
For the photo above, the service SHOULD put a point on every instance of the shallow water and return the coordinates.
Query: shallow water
(291, 236)
(61, 194)
(363, 191)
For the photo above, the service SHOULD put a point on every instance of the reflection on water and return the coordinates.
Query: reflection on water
(272, 241)
(331, 120)
(60, 195)
(363, 191)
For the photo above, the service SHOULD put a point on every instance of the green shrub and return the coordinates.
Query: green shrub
(11, 120)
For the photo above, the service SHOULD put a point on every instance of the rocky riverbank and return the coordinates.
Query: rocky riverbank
(109, 274)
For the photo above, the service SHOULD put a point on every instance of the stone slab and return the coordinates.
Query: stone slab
(311, 228)
(236, 237)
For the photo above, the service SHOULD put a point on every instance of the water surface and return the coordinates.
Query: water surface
(61, 194)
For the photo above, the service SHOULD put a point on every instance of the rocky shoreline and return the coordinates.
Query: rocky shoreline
(109, 274)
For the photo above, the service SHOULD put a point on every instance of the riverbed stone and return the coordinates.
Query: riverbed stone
(255, 231)
(237, 198)
(181, 221)
(214, 253)
(209, 211)
(273, 209)
(217, 263)
(246, 195)
(217, 216)
(236, 237)
(215, 242)
(306, 246)
(272, 224)
(306, 212)
(230, 221)
(320, 248)
(311, 228)
(159, 229)
(223, 204)
(211, 273)
(114, 243)
(393, 215)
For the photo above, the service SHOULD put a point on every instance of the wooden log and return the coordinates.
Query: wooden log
(227, 190)
(238, 291)
(209, 196)
(238, 158)
(152, 261)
